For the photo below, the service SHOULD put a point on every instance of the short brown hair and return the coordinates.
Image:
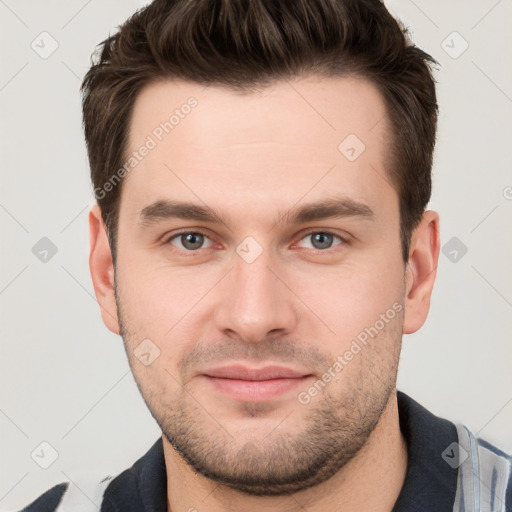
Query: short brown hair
(245, 45)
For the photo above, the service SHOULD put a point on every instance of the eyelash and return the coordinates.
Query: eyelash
(167, 240)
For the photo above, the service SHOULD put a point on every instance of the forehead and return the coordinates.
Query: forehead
(289, 112)
(267, 148)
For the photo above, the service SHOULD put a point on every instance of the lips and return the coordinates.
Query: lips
(254, 384)
(254, 374)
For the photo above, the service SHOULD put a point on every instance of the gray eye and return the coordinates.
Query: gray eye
(321, 240)
(190, 241)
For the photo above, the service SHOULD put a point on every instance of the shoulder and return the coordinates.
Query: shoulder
(48, 501)
(80, 495)
(118, 492)
(485, 473)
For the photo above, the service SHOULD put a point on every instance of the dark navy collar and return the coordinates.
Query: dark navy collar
(430, 483)
(142, 488)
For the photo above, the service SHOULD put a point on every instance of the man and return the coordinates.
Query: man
(261, 243)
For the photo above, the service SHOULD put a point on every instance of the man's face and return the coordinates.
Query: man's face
(250, 311)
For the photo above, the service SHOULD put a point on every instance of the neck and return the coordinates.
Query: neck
(371, 481)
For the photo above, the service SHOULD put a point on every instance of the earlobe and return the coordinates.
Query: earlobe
(102, 269)
(420, 273)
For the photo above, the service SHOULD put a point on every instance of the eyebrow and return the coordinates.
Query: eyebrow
(332, 207)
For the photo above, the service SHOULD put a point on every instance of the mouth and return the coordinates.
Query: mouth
(254, 384)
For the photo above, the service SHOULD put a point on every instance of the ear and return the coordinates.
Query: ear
(420, 272)
(102, 269)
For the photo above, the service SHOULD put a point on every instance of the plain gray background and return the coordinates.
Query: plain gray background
(65, 379)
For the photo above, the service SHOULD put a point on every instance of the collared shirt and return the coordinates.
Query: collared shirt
(448, 470)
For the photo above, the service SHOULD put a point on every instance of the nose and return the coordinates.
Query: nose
(256, 301)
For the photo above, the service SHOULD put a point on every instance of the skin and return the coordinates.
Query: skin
(299, 304)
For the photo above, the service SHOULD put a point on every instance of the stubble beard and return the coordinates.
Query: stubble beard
(282, 462)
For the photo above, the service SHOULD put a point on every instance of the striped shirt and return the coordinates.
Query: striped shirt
(448, 470)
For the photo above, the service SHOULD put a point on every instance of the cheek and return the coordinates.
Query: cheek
(154, 339)
(162, 304)
(349, 298)
(157, 294)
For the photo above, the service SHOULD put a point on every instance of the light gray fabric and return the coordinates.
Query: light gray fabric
(483, 476)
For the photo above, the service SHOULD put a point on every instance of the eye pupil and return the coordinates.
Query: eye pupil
(324, 240)
(192, 240)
